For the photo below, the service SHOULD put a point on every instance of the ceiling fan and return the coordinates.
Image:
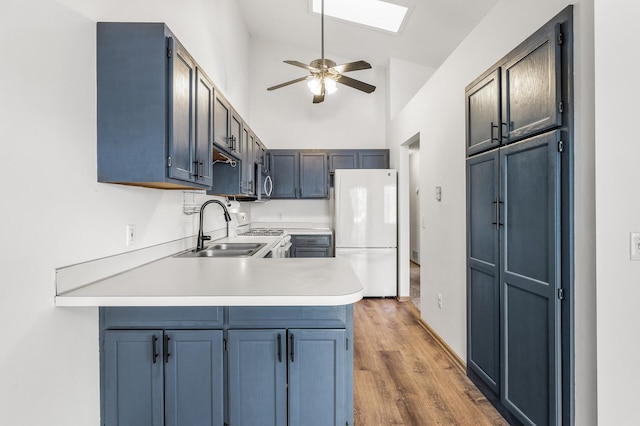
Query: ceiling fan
(324, 73)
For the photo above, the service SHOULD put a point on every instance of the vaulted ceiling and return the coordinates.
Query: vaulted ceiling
(434, 29)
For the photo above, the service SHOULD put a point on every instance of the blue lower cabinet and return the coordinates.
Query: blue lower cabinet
(257, 377)
(156, 377)
(310, 363)
(317, 384)
(194, 382)
(133, 389)
(227, 366)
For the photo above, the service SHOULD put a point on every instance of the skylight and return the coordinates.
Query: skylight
(372, 13)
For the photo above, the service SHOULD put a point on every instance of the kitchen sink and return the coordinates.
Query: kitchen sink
(225, 250)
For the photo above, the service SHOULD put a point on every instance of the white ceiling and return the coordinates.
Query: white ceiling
(434, 29)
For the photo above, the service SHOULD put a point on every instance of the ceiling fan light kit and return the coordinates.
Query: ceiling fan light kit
(324, 74)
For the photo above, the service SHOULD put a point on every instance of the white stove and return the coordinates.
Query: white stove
(262, 232)
(280, 249)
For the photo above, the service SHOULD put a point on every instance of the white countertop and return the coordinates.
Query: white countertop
(224, 282)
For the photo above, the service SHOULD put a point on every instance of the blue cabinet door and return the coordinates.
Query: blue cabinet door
(373, 159)
(182, 69)
(194, 382)
(342, 160)
(203, 141)
(483, 284)
(530, 278)
(317, 382)
(133, 382)
(221, 123)
(483, 113)
(284, 172)
(257, 374)
(531, 86)
(314, 175)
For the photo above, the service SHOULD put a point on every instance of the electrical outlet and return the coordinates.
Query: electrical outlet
(423, 221)
(635, 245)
(439, 193)
(131, 235)
(439, 300)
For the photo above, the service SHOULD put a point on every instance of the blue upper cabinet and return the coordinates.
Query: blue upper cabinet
(299, 174)
(358, 159)
(531, 86)
(228, 127)
(343, 159)
(203, 137)
(483, 112)
(314, 175)
(154, 109)
(520, 97)
(285, 173)
(373, 159)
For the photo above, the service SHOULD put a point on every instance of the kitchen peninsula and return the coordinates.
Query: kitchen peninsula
(220, 341)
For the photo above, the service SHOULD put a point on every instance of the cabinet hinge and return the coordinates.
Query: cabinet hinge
(168, 161)
(560, 146)
(561, 107)
(560, 38)
(561, 293)
(169, 52)
(224, 345)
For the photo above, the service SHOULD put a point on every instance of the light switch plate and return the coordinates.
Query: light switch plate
(131, 235)
(635, 245)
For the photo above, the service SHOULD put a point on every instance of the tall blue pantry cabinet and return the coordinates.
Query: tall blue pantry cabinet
(519, 146)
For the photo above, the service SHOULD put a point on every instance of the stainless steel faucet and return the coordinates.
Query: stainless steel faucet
(201, 237)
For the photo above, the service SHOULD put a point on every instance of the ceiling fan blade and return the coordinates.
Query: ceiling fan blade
(301, 65)
(356, 84)
(319, 98)
(352, 66)
(290, 82)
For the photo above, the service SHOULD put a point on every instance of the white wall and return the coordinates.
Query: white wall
(617, 209)
(54, 213)
(437, 114)
(213, 32)
(313, 211)
(404, 80)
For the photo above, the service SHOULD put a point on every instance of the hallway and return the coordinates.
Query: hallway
(414, 284)
(402, 376)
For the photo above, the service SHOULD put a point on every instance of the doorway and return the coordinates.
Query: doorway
(414, 224)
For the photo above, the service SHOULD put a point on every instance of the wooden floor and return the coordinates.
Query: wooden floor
(402, 376)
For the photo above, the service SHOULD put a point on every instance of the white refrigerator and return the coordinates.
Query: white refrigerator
(366, 226)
